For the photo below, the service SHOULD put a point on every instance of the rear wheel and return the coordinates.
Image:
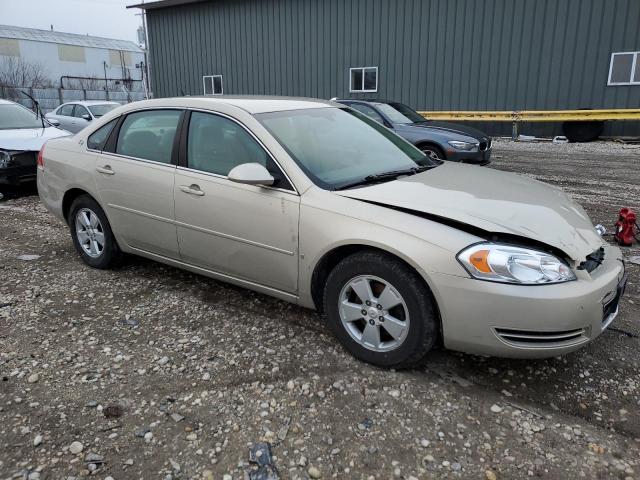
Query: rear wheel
(380, 310)
(91, 234)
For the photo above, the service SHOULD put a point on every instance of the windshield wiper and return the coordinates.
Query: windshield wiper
(379, 177)
(37, 107)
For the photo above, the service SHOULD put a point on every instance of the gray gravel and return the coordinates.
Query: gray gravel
(151, 372)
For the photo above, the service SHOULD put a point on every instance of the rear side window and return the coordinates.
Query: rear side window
(148, 135)
(96, 139)
(66, 110)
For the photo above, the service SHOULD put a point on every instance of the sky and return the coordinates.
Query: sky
(102, 18)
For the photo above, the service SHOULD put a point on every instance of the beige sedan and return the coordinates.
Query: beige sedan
(314, 203)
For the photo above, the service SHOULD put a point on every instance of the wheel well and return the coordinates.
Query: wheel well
(333, 257)
(68, 199)
(431, 144)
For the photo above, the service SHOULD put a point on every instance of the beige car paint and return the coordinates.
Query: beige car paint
(271, 243)
(137, 196)
(495, 201)
(272, 240)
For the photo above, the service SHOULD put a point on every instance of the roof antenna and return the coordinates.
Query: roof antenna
(52, 27)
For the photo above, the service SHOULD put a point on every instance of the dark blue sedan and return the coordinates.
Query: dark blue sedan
(439, 140)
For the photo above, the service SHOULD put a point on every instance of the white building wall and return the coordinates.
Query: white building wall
(48, 56)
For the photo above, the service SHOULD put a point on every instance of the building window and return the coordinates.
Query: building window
(120, 58)
(71, 53)
(9, 47)
(212, 84)
(363, 79)
(624, 68)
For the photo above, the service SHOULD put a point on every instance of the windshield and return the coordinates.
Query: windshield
(400, 113)
(336, 147)
(13, 115)
(99, 110)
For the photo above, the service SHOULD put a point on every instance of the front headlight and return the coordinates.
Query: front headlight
(506, 263)
(5, 158)
(467, 146)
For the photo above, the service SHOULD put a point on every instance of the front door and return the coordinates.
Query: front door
(135, 181)
(245, 231)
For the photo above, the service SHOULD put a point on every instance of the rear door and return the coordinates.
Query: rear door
(135, 177)
(245, 231)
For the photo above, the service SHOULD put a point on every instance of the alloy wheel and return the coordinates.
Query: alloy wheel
(89, 232)
(374, 313)
(431, 153)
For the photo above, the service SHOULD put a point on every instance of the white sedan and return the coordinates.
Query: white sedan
(74, 116)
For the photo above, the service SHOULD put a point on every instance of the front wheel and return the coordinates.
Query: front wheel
(380, 310)
(92, 235)
(432, 151)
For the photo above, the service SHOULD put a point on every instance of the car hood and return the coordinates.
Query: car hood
(451, 128)
(28, 138)
(491, 200)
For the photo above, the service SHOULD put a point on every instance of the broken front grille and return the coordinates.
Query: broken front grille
(593, 260)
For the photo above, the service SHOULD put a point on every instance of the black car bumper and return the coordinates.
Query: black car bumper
(20, 169)
(476, 158)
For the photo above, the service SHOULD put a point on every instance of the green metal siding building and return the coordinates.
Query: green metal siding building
(430, 54)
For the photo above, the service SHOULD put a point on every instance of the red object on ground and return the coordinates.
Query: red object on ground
(625, 227)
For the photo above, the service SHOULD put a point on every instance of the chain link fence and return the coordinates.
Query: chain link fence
(50, 98)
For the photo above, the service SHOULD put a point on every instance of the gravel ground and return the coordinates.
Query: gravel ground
(151, 372)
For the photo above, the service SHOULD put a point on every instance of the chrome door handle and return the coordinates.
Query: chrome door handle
(106, 170)
(192, 189)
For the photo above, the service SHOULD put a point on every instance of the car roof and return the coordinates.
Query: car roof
(6, 102)
(365, 100)
(250, 103)
(92, 102)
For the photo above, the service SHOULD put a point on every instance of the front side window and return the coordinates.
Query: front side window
(368, 111)
(363, 79)
(624, 68)
(212, 84)
(400, 113)
(336, 146)
(148, 134)
(80, 111)
(66, 110)
(216, 144)
(98, 138)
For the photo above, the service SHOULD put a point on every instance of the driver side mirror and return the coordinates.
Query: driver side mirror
(87, 117)
(53, 121)
(251, 174)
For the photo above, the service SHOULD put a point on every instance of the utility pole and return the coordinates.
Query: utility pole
(143, 14)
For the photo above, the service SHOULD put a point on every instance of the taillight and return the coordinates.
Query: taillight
(40, 161)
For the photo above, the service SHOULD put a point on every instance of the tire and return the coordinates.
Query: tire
(109, 255)
(380, 271)
(432, 151)
(582, 131)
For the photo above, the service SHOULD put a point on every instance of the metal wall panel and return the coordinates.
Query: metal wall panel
(431, 54)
